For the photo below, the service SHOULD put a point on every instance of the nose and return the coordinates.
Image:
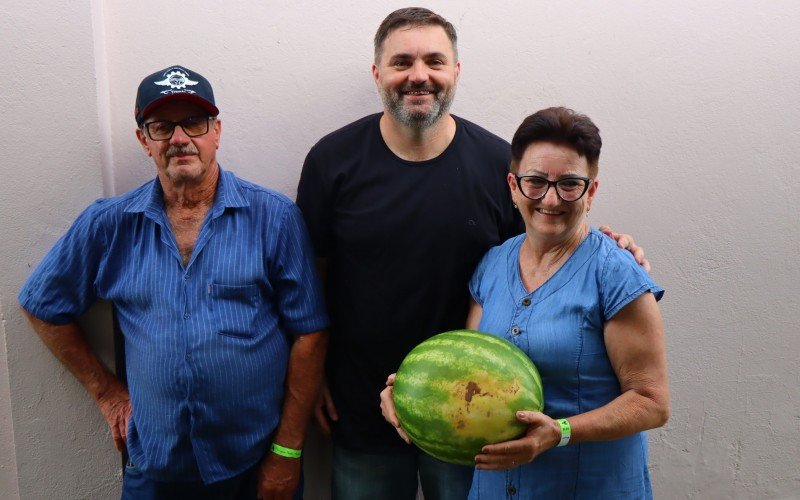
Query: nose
(179, 136)
(551, 197)
(419, 72)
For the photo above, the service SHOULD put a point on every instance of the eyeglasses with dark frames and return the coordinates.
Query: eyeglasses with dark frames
(162, 130)
(535, 187)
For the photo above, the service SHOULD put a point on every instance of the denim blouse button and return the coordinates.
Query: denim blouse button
(511, 490)
(526, 301)
(515, 330)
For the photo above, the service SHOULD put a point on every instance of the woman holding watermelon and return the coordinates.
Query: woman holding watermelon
(585, 313)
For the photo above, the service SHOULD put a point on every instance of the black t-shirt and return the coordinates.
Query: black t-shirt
(402, 239)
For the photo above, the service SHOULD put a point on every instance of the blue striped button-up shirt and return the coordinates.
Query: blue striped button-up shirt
(206, 344)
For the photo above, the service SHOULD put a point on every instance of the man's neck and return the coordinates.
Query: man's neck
(414, 144)
(190, 195)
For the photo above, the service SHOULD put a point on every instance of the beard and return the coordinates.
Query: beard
(181, 173)
(393, 101)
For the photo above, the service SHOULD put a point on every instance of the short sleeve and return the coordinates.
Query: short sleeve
(314, 201)
(623, 280)
(62, 286)
(299, 293)
(476, 282)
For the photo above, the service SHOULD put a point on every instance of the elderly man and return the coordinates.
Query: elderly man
(401, 205)
(213, 281)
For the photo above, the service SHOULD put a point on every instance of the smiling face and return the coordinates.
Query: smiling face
(550, 217)
(417, 75)
(181, 159)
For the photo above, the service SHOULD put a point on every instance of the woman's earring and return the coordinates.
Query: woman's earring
(515, 205)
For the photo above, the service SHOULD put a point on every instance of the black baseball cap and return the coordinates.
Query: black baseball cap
(175, 83)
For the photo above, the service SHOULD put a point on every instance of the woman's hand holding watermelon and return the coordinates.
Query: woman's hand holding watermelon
(388, 411)
(543, 433)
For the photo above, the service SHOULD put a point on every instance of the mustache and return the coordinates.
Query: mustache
(429, 87)
(187, 149)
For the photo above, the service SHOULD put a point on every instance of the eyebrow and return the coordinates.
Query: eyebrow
(539, 173)
(427, 55)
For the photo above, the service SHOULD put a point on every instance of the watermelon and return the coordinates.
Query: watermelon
(460, 390)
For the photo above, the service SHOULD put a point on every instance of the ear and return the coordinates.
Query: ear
(143, 142)
(512, 182)
(591, 192)
(217, 132)
(376, 74)
(458, 70)
(513, 187)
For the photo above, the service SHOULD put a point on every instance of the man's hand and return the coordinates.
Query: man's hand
(325, 410)
(116, 409)
(278, 477)
(626, 241)
(388, 411)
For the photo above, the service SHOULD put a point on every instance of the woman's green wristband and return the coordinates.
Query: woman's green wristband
(284, 451)
(566, 431)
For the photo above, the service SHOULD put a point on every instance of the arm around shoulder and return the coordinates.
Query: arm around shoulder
(626, 241)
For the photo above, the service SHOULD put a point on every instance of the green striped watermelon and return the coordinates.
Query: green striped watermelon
(460, 390)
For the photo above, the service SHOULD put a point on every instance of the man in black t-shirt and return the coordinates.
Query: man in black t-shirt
(400, 206)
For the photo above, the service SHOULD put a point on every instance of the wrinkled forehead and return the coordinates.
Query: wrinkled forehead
(547, 157)
(418, 40)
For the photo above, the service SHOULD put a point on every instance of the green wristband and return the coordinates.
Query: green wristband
(566, 431)
(284, 451)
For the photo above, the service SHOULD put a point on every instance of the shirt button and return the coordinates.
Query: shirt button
(186, 277)
(515, 330)
(511, 490)
(526, 302)
(188, 357)
(186, 316)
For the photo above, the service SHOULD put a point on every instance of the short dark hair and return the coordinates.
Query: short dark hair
(561, 126)
(414, 17)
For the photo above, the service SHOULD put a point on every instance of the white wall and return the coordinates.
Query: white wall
(50, 166)
(696, 101)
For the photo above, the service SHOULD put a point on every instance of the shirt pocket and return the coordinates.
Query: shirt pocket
(235, 309)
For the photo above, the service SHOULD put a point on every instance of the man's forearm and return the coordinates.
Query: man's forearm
(67, 343)
(303, 378)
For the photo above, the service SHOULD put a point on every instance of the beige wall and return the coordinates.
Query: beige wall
(696, 101)
(8, 462)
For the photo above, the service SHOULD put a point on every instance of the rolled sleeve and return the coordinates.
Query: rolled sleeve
(299, 292)
(63, 284)
(476, 281)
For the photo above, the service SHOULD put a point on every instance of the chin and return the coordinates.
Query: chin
(185, 173)
(545, 229)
